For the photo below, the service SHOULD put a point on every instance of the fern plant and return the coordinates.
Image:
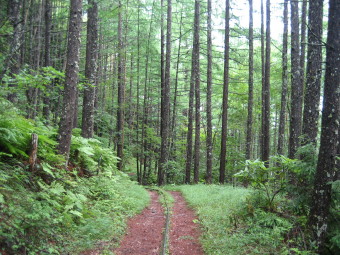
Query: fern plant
(91, 156)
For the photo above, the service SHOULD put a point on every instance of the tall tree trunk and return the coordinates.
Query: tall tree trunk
(112, 138)
(32, 92)
(139, 169)
(208, 177)
(223, 156)
(48, 22)
(196, 49)
(174, 109)
(162, 46)
(121, 93)
(71, 79)
(296, 91)
(75, 113)
(36, 53)
(189, 134)
(165, 104)
(282, 121)
(326, 170)
(145, 97)
(26, 5)
(266, 94)
(262, 79)
(90, 70)
(303, 43)
(12, 62)
(251, 84)
(37, 37)
(314, 72)
(193, 80)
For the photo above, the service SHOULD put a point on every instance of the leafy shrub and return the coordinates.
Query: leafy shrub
(269, 180)
(91, 156)
(39, 79)
(54, 211)
(300, 190)
(65, 216)
(334, 220)
(15, 135)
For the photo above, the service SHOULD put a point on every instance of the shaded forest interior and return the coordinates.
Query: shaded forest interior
(243, 93)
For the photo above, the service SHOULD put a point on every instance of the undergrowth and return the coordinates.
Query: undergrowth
(53, 210)
(234, 223)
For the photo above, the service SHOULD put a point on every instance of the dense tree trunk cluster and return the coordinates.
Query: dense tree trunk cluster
(178, 97)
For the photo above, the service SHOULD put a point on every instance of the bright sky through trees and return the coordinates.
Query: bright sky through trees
(240, 18)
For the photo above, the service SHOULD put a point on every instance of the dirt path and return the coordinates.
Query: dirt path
(184, 233)
(145, 231)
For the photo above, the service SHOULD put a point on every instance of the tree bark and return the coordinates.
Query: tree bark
(282, 120)
(90, 70)
(223, 156)
(162, 46)
(250, 84)
(266, 94)
(174, 109)
(296, 91)
(138, 164)
(121, 93)
(71, 79)
(196, 49)
(47, 57)
(143, 157)
(208, 177)
(193, 87)
(12, 62)
(303, 43)
(165, 103)
(326, 170)
(314, 72)
(33, 152)
(262, 79)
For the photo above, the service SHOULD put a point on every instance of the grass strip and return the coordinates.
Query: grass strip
(167, 201)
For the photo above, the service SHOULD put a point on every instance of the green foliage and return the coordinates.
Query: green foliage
(28, 78)
(69, 215)
(270, 180)
(15, 135)
(174, 172)
(54, 211)
(232, 222)
(91, 156)
(334, 220)
(303, 174)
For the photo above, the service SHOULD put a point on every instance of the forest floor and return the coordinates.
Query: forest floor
(145, 232)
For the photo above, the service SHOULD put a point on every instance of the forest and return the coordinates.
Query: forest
(111, 107)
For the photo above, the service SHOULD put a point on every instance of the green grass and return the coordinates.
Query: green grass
(114, 201)
(230, 225)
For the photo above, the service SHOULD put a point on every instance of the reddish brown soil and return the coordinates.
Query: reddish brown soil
(184, 233)
(145, 231)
